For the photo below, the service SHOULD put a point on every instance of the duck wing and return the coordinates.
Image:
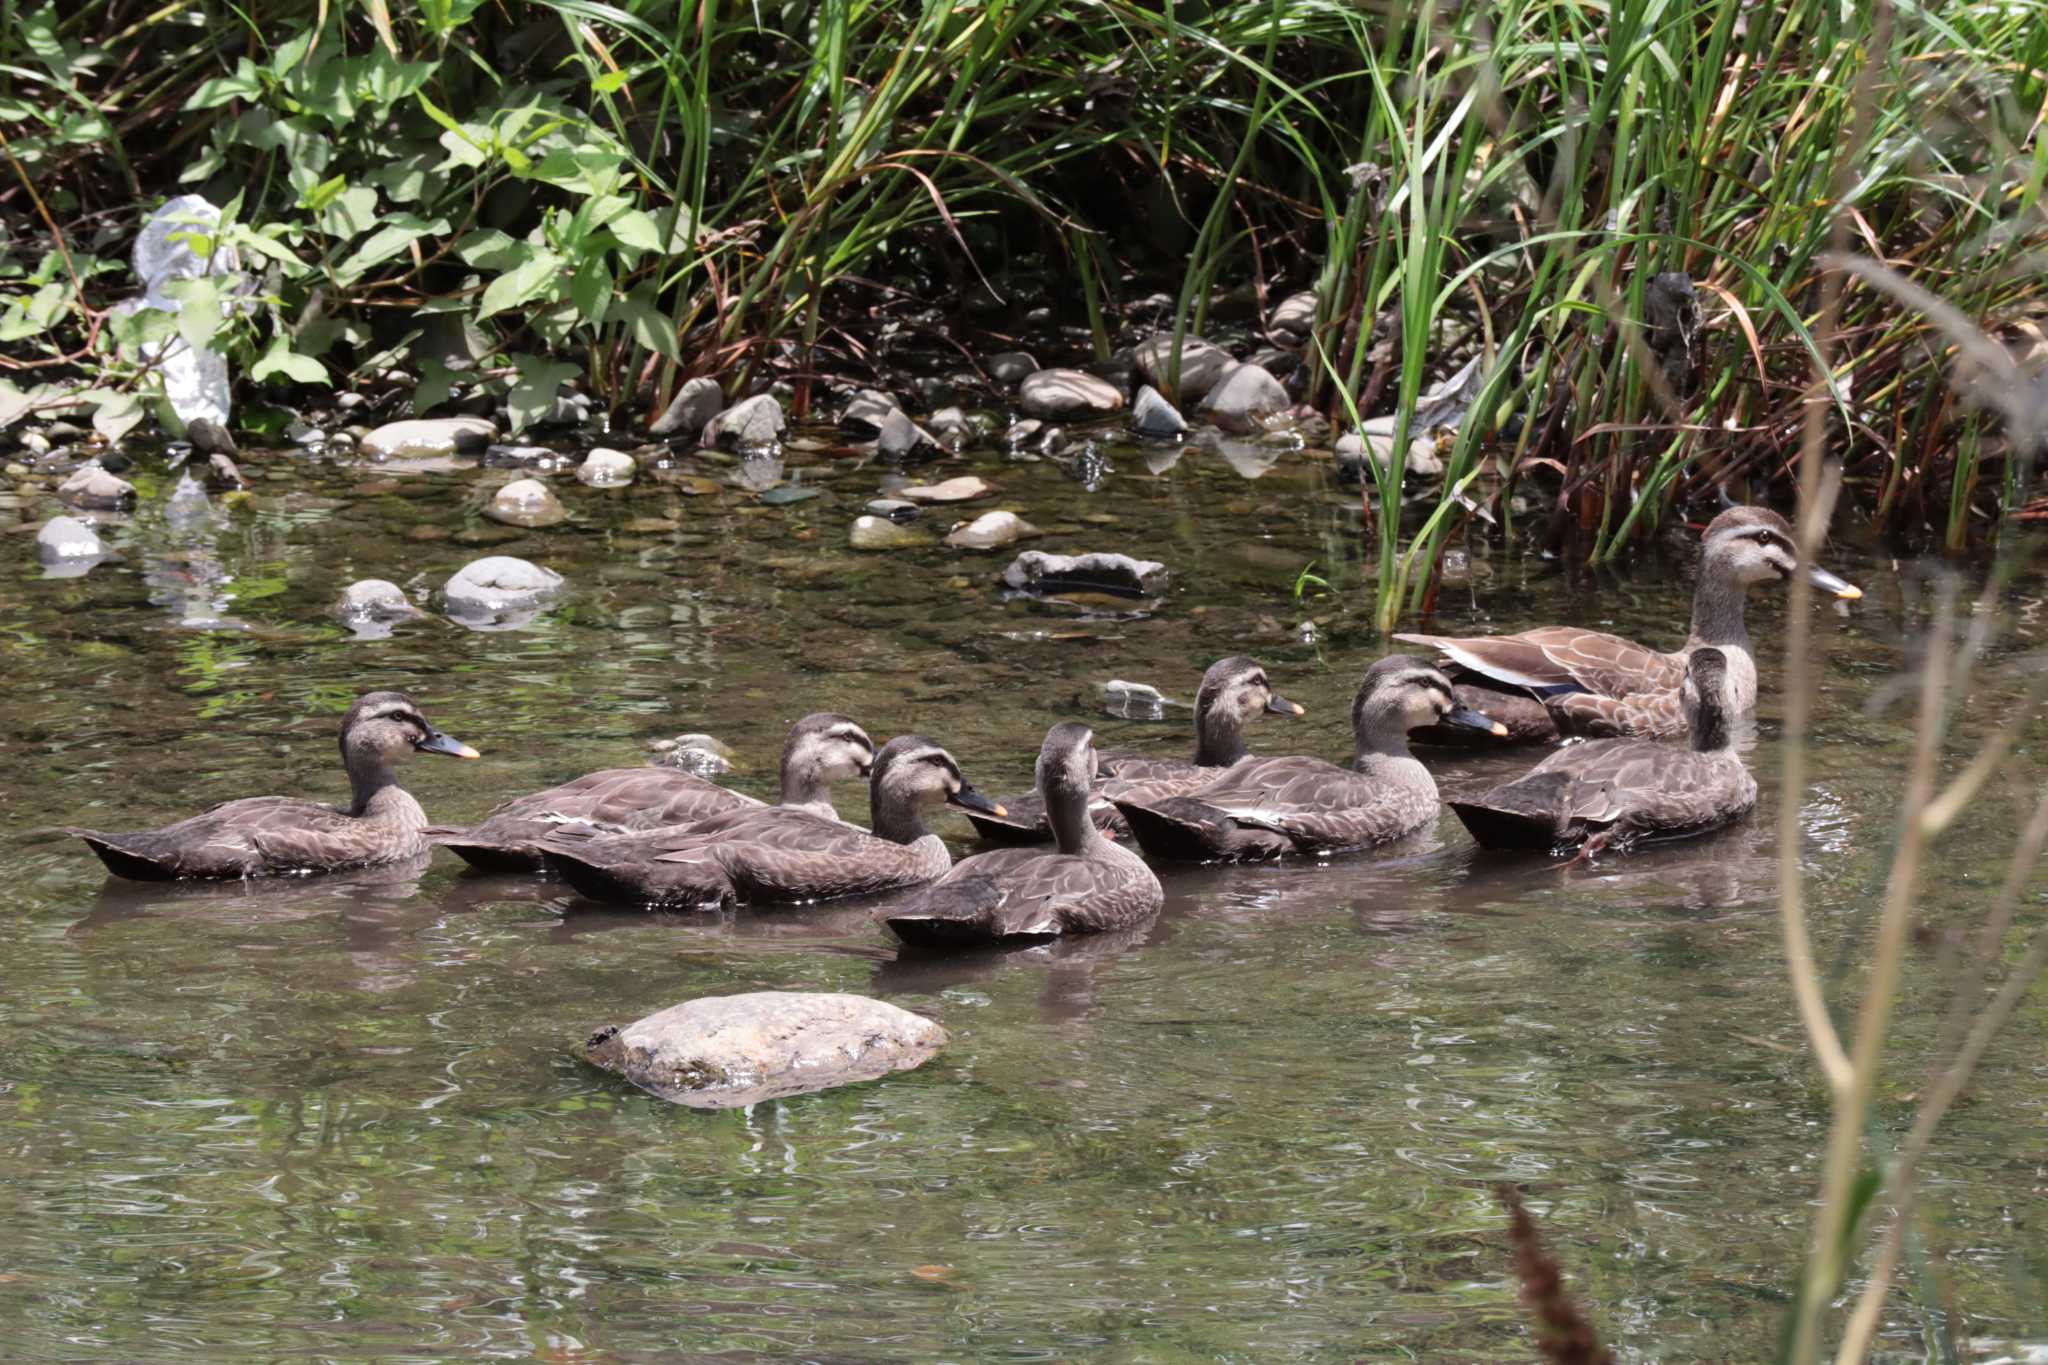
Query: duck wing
(221, 841)
(1019, 893)
(612, 800)
(1555, 660)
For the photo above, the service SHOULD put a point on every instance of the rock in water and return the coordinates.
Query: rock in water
(1058, 395)
(880, 533)
(695, 404)
(420, 438)
(1243, 399)
(1293, 318)
(1036, 571)
(499, 592)
(965, 488)
(699, 753)
(603, 468)
(900, 437)
(222, 473)
(526, 502)
(1376, 438)
(722, 1052)
(867, 413)
(370, 607)
(1202, 363)
(750, 424)
(1011, 367)
(93, 487)
(991, 531)
(1152, 415)
(68, 547)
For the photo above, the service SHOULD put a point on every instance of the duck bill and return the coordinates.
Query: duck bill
(1830, 583)
(438, 743)
(1279, 706)
(1475, 720)
(967, 798)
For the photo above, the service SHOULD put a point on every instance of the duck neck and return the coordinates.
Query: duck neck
(1717, 611)
(804, 784)
(1382, 752)
(898, 820)
(375, 793)
(1072, 828)
(1219, 740)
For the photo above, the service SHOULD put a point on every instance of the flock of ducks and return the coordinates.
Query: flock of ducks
(1065, 862)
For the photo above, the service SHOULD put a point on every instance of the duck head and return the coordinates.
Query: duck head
(1755, 545)
(1234, 693)
(828, 745)
(383, 726)
(913, 772)
(1403, 692)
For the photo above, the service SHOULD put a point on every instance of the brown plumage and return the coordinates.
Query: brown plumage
(821, 749)
(1272, 807)
(1616, 793)
(268, 836)
(780, 854)
(1555, 681)
(1086, 884)
(1234, 693)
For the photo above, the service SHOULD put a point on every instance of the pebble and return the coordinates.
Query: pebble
(750, 423)
(526, 502)
(93, 487)
(1011, 367)
(695, 404)
(901, 437)
(210, 437)
(722, 1052)
(603, 468)
(880, 533)
(991, 531)
(1292, 318)
(704, 755)
(369, 607)
(223, 473)
(865, 416)
(523, 457)
(1036, 571)
(419, 437)
(1152, 415)
(1022, 431)
(1056, 395)
(67, 538)
(499, 592)
(895, 509)
(1376, 438)
(1243, 399)
(1202, 364)
(965, 488)
(952, 428)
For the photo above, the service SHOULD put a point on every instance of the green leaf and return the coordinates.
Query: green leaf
(437, 382)
(637, 230)
(143, 327)
(651, 327)
(30, 315)
(399, 232)
(279, 359)
(591, 289)
(199, 308)
(533, 394)
(243, 85)
(117, 413)
(490, 249)
(522, 284)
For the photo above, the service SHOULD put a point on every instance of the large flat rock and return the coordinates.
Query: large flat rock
(725, 1051)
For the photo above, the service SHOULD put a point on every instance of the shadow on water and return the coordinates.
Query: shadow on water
(345, 1116)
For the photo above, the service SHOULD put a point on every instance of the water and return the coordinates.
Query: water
(343, 1118)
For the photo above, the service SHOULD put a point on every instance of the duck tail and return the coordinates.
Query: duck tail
(1191, 836)
(1504, 827)
(483, 854)
(967, 910)
(123, 859)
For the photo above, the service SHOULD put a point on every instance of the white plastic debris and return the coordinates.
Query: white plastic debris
(195, 379)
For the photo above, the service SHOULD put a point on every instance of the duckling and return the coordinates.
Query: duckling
(1618, 793)
(1234, 693)
(1563, 680)
(821, 749)
(781, 854)
(1089, 884)
(1272, 807)
(269, 836)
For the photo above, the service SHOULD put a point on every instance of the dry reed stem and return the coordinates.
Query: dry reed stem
(1563, 1334)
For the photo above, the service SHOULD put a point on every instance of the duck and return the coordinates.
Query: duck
(1234, 693)
(1615, 794)
(1085, 884)
(780, 854)
(1275, 807)
(821, 749)
(273, 836)
(1558, 681)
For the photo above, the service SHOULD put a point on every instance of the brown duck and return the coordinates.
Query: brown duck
(821, 749)
(1086, 884)
(1234, 694)
(1273, 807)
(1563, 680)
(1617, 793)
(270, 836)
(779, 854)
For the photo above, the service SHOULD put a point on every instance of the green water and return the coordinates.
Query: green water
(343, 1118)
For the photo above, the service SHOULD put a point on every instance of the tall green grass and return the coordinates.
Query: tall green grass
(1452, 177)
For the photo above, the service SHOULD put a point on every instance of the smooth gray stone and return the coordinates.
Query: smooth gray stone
(868, 413)
(883, 533)
(751, 423)
(528, 503)
(94, 488)
(1061, 395)
(1037, 571)
(1242, 400)
(1011, 367)
(370, 606)
(499, 592)
(603, 468)
(695, 404)
(65, 539)
(1202, 364)
(1293, 317)
(990, 531)
(901, 437)
(1152, 415)
(722, 1052)
(419, 437)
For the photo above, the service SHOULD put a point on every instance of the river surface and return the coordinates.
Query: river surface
(344, 1118)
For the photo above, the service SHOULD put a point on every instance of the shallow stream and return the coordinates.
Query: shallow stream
(343, 1118)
